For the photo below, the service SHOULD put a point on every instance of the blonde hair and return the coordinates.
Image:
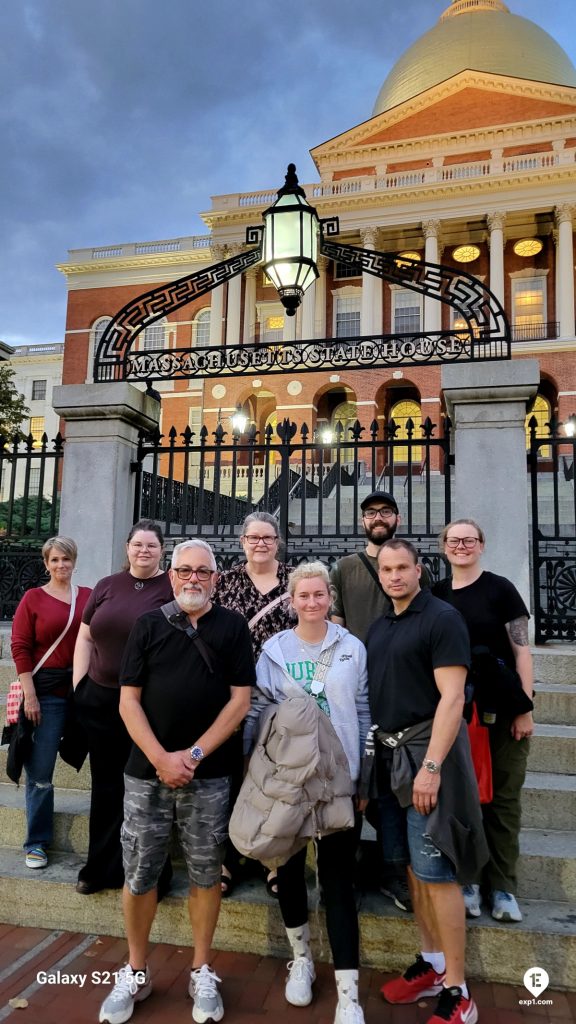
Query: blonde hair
(64, 544)
(306, 571)
(461, 522)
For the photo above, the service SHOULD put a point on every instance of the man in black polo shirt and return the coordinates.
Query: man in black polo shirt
(186, 677)
(418, 655)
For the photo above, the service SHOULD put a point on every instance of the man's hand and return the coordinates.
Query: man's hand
(175, 769)
(425, 791)
(522, 726)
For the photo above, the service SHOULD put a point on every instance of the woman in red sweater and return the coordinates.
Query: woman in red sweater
(40, 618)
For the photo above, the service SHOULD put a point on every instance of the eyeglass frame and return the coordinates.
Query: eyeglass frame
(194, 572)
(254, 539)
(468, 543)
(382, 513)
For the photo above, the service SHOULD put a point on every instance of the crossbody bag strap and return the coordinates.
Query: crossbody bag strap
(323, 664)
(366, 561)
(179, 619)
(51, 649)
(268, 608)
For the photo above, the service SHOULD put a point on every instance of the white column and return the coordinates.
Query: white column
(250, 278)
(289, 332)
(496, 221)
(308, 312)
(217, 300)
(565, 256)
(432, 307)
(320, 299)
(233, 311)
(97, 498)
(371, 308)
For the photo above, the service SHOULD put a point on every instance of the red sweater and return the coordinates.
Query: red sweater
(38, 620)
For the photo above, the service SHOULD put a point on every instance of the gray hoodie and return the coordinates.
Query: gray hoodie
(346, 688)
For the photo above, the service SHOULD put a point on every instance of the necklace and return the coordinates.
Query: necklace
(139, 585)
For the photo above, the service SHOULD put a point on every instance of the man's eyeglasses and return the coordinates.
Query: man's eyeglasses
(253, 539)
(467, 542)
(383, 513)
(186, 573)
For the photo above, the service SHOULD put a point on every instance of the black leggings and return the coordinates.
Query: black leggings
(336, 854)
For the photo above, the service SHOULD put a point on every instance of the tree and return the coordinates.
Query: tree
(13, 409)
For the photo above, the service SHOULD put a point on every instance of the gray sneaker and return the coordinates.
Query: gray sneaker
(203, 990)
(472, 900)
(505, 907)
(131, 987)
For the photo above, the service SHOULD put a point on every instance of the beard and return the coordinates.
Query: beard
(192, 601)
(379, 533)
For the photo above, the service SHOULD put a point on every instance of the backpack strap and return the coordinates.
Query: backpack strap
(366, 562)
(179, 619)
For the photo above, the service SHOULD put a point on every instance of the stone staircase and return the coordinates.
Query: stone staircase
(250, 920)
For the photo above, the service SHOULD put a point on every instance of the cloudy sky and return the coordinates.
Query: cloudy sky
(119, 119)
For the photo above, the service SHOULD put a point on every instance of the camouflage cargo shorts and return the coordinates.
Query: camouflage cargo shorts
(202, 815)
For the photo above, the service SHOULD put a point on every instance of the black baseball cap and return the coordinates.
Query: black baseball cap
(380, 496)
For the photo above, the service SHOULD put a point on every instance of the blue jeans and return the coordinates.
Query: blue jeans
(405, 840)
(39, 771)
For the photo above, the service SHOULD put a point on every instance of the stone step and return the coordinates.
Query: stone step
(555, 663)
(555, 702)
(250, 921)
(65, 777)
(547, 867)
(553, 749)
(549, 801)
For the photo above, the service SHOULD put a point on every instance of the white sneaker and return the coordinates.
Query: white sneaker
(350, 1014)
(472, 900)
(301, 975)
(131, 987)
(203, 989)
(505, 907)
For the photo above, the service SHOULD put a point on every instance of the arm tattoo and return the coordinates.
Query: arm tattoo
(518, 630)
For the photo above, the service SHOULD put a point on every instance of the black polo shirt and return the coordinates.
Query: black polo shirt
(403, 651)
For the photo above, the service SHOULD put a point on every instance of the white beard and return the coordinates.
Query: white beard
(192, 602)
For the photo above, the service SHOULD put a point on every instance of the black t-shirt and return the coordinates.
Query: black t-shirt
(180, 698)
(486, 605)
(403, 651)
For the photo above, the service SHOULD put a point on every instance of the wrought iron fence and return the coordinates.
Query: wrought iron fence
(535, 332)
(29, 511)
(551, 462)
(313, 485)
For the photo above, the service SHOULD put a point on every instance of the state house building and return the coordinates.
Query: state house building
(468, 159)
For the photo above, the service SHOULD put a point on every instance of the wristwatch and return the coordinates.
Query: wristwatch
(196, 753)
(431, 766)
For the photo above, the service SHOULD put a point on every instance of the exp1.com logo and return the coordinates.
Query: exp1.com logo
(536, 980)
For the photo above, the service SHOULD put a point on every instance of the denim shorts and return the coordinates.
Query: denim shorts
(405, 840)
(202, 814)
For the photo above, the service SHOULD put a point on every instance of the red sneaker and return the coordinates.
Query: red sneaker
(454, 1007)
(419, 980)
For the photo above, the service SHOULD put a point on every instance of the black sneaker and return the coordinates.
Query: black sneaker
(396, 889)
(454, 1008)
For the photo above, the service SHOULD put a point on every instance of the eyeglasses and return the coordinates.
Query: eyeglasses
(253, 539)
(384, 513)
(186, 573)
(467, 542)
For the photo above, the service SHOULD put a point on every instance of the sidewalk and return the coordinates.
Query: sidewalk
(253, 987)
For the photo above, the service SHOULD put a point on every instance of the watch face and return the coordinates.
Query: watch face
(196, 753)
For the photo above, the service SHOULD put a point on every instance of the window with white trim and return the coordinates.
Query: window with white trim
(406, 311)
(38, 390)
(96, 332)
(154, 336)
(201, 335)
(529, 300)
(347, 317)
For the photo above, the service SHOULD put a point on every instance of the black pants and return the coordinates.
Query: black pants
(108, 748)
(336, 855)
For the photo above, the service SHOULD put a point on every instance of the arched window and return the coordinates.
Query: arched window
(401, 412)
(542, 411)
(201, 328)
(98, 328)
(154, 337)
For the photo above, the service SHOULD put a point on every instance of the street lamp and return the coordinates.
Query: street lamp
(239, 420)
(570, 426)
(291, 243)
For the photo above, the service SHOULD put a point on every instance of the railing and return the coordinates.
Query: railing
(535, 332)
(183, 245)
(313, 488)
(553, 504)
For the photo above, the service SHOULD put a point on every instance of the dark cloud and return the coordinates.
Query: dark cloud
(119, 121)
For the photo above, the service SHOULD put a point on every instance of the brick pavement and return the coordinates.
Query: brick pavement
(253, 987)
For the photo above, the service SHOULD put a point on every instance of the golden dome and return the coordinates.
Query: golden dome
(476, 35)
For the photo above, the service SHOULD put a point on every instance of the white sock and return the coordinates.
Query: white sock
(436, 959)
(347, 986)
(299, 939)
(463, 988)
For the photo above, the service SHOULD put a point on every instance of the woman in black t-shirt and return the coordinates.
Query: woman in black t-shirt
(497, 619)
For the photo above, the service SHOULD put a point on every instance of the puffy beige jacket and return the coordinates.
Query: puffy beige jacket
(298, 784)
